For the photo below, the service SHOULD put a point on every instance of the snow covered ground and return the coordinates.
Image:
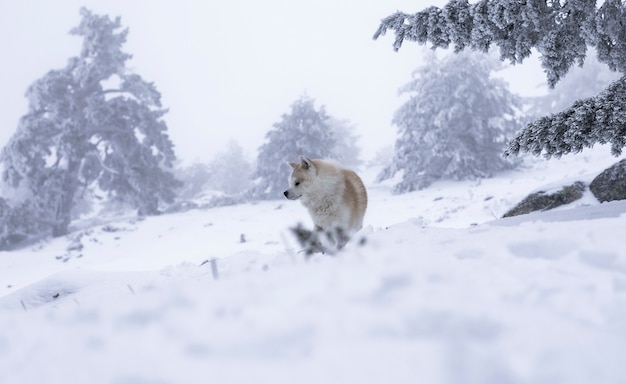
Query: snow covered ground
(442, 291)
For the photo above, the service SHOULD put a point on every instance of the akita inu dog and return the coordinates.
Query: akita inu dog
(334, 196)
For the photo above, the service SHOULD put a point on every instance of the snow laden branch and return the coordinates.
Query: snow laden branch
(559, 30)
(600, 119)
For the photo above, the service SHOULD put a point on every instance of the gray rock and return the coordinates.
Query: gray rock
(611, 183)
(541, 201)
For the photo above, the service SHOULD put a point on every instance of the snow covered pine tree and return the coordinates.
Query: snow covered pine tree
(91, 122)
(304, 131)
(455, 123)
(560, 30)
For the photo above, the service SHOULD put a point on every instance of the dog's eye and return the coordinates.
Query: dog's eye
(297, 183)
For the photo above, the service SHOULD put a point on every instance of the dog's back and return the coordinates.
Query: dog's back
(354, 199)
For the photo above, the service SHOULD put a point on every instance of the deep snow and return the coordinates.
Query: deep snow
(442, 292)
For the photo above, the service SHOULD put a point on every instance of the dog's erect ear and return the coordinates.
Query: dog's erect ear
(307, 163)
(293, 165)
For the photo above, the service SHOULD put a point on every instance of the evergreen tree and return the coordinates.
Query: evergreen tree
(230, 171)
(561, 31)
(91, 123)
(194, 178)
(346, 151)
(454, 123)
(304, 131)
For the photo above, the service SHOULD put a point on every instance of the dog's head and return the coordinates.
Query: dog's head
(300, 179)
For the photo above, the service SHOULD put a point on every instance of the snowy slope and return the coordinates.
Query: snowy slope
(441, 292)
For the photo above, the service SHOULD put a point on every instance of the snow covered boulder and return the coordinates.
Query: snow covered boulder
(611, 183)
(542, 201)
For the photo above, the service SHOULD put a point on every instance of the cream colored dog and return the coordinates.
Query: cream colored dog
(334, 196)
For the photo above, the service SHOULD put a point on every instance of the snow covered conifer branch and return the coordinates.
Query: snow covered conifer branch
(561, 31)
(600, 119)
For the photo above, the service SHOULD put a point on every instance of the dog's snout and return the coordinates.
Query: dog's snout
(291, 195)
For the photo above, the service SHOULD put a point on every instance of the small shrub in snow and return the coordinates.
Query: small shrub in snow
(321, 241)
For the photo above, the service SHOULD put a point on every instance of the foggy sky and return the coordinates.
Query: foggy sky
(229, 69)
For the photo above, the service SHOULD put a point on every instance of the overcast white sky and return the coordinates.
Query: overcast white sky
(229, 69)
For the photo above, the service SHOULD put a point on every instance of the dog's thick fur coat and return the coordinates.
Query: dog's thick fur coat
(334, 196)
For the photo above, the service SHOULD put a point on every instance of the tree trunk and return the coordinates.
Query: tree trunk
(69, 187)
